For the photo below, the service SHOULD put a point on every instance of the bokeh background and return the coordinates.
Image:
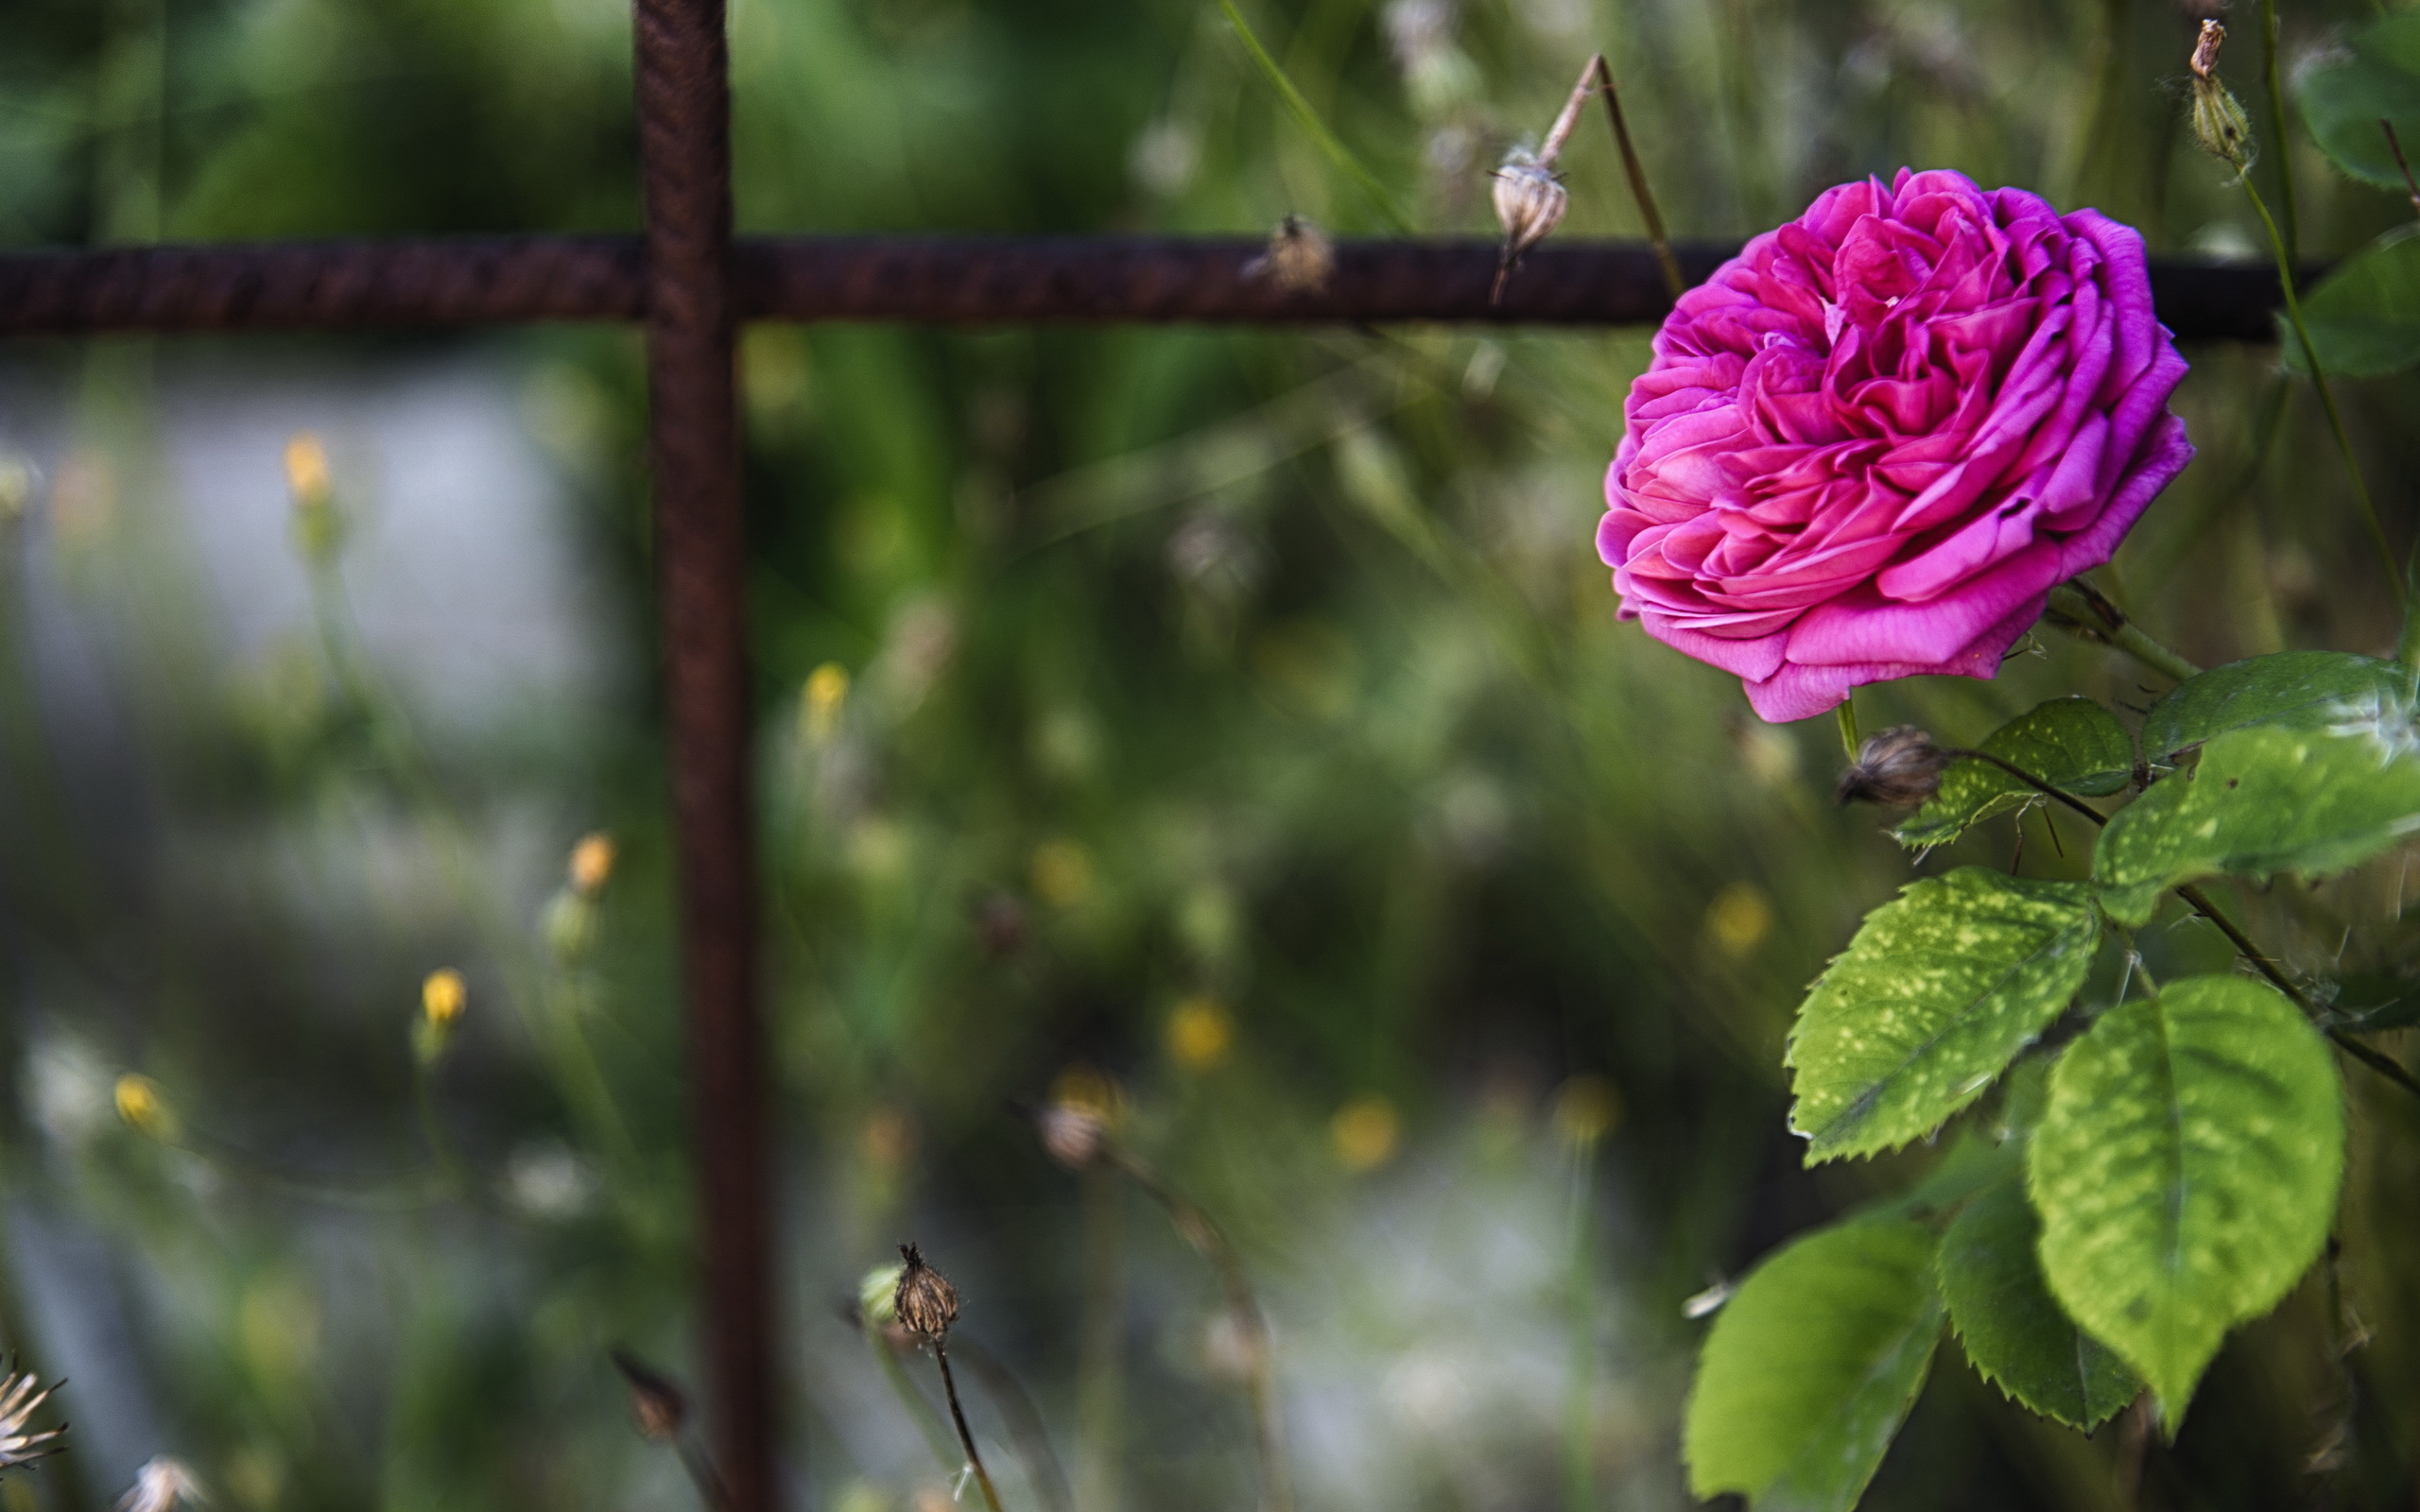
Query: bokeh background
(1229, 730)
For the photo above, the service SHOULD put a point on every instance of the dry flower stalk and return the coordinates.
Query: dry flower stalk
(926, 1305)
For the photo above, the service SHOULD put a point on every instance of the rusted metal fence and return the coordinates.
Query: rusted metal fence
(691, 284)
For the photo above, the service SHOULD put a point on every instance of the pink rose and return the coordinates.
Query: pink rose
(1874, 442)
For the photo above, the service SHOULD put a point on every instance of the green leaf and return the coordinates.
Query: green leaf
(1934, 997)
(2072, 744)
(2364, 316)
(2294, 690)
(2344, 101)
(2186, 1172)
(1812, 1366)
(2014, 1330)
(2261, 802)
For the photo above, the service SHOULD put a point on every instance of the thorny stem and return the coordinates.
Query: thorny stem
(1194, 1225)
(1637, 172)
(2088, 612)
(2394, 144)
(2385, 1065)
(2285, 149)
(965, 1435)
(2319, 383)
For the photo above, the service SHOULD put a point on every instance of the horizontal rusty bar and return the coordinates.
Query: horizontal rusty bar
(954, 280)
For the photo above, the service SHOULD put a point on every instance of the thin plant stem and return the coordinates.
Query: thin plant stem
(440, 1149)
(1276, 1494)
(2283, 149)
(1309, 119)
(1846, 715)
(1026, 1430)
(2087, 610)
(965, 1435)
(885, 1354)
(1099, 1364)
(1636, 173)
(2394, 144)
(2319, 384)
(1579, 1378)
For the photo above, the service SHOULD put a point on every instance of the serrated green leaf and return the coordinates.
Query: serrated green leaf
(2364, 316)
(2292, 690)
(2262, 801)
(1934, 997)
(2072, 744)
(2186, 1172)
(2343, 101)
(1813, 1365)
(2012, 1329)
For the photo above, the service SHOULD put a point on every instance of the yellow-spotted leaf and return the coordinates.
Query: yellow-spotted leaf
(2186, 1172)
(2264, 800)
(1938, 992)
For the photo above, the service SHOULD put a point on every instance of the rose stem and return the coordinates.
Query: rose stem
(2394, 144)
(2088, 612)
(2319, 382)
(2383, 1064)
(965, 1435)
(1203, 1235)
(1673, 284)
(2285, 149)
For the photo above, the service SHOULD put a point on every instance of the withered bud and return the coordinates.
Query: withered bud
(1899, 766)
(925, 1302)
(658, 1405)
(1072, 1136)
(1529, 202)
(1300, 259)
(2220, 127)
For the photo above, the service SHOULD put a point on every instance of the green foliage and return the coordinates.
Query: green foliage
(2072, 744)
(2013, 1329)
(2379, 78)
(1811, 1368)
(2262, 801)
(1934, 997)
(2364, 316)
(2186, 1172)
(2291, 689)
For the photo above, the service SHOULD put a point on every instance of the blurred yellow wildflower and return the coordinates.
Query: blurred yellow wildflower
(1200, 1032)
(1739, 917)
(144, 1106)
(591, 864)
(443, 996)
(1585, 1110)
(1364, 1133)
(306, 470)
(820, 705)
(887, 1139)
(1063, 874)
(1090, 1091)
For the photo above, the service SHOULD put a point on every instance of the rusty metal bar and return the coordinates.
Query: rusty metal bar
(701, 565)
(966, 281)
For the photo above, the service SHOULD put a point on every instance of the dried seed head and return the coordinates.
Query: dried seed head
(1300, 259)
(1529, 202)
(21, 1397)
(925, 1302)
(1900, 767)
(658, 1404)
(2206, 48)
(1073, 1136)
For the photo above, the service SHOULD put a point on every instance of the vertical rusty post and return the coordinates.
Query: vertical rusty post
(701, 545)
